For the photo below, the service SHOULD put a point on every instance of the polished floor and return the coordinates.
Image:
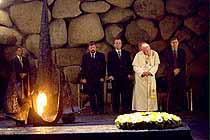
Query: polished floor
(197, 122)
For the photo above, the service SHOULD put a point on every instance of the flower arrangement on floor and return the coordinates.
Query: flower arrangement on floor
(148, 120)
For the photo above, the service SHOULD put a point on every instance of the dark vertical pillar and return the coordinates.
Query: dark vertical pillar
(45, 59)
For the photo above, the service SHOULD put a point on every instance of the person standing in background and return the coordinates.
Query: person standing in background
(20, 65)
(119, 71)
(93, 70)
(176, 75)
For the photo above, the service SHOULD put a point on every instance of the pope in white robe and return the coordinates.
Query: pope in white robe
(145, 65)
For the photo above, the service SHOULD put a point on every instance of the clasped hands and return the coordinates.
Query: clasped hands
(176, 71)
(23, 75)
(84, 81)
(112, 78)
(146, 74)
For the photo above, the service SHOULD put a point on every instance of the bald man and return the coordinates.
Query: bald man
(145, 65)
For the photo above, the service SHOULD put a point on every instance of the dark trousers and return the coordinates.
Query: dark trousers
(25, 86)
(95, 92)
(121, 87)
(176, 90)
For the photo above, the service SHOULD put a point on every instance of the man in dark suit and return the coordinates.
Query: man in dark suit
(20, 65)
(176, 75)
(93, 70)
(119, 71)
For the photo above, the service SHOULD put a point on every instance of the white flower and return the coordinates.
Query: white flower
(159, 119)
(147, 119)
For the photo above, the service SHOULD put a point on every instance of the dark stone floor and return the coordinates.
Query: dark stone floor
(198, 122)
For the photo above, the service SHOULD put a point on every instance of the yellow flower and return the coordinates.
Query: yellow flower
(176, 118)
(157, 118)
(139, 119)
(153, 118)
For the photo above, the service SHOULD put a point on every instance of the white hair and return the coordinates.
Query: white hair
(145, 45)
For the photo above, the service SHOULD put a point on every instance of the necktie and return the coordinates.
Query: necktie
(93, 55)
(119, 53)
(21, 61)
(175, 57)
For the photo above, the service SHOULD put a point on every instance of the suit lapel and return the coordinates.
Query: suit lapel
(18, 61)
(171, 55)
(96, 55)
(116, 55)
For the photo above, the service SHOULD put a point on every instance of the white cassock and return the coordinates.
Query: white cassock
(144, 93)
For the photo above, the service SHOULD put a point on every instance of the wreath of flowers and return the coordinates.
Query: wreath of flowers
(148, 120)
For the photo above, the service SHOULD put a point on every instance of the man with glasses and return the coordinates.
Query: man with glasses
(176, 75)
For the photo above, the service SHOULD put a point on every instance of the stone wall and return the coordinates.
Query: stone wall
(73, 23)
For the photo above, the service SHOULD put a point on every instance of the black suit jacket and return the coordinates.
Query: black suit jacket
(181, 62)
(17, 68)
(117, 67)
(93, 69)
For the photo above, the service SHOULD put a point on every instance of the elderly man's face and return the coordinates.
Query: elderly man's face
(145, 48)
(92, 48)
(174, 43)
(118, 44)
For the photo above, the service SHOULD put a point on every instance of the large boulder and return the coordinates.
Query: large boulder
(111, 32)
(27, 16)
(168, 26)
(148, 27)
(104, 48)
(197, 24)
(181, 7)
(84, 29)
(199, 67)
(5, 19)
(135, 33)
(95, 7)
(9, 36)
(133, 50)
(121, 3)
(189, 55)
(159, 45)
(74, 94)
(58, 33)
(48, 1)
(117, 15)
(6, 3)
(10, 52)
(72, 73)
(32, 44)
(183, 34)
(198, 45)
(66, 8)
(68, 56)
(203, 12)
(153, 9)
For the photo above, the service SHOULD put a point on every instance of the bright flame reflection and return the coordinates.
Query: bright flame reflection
(41, 102)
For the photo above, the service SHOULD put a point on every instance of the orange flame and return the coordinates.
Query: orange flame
(41, 103)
